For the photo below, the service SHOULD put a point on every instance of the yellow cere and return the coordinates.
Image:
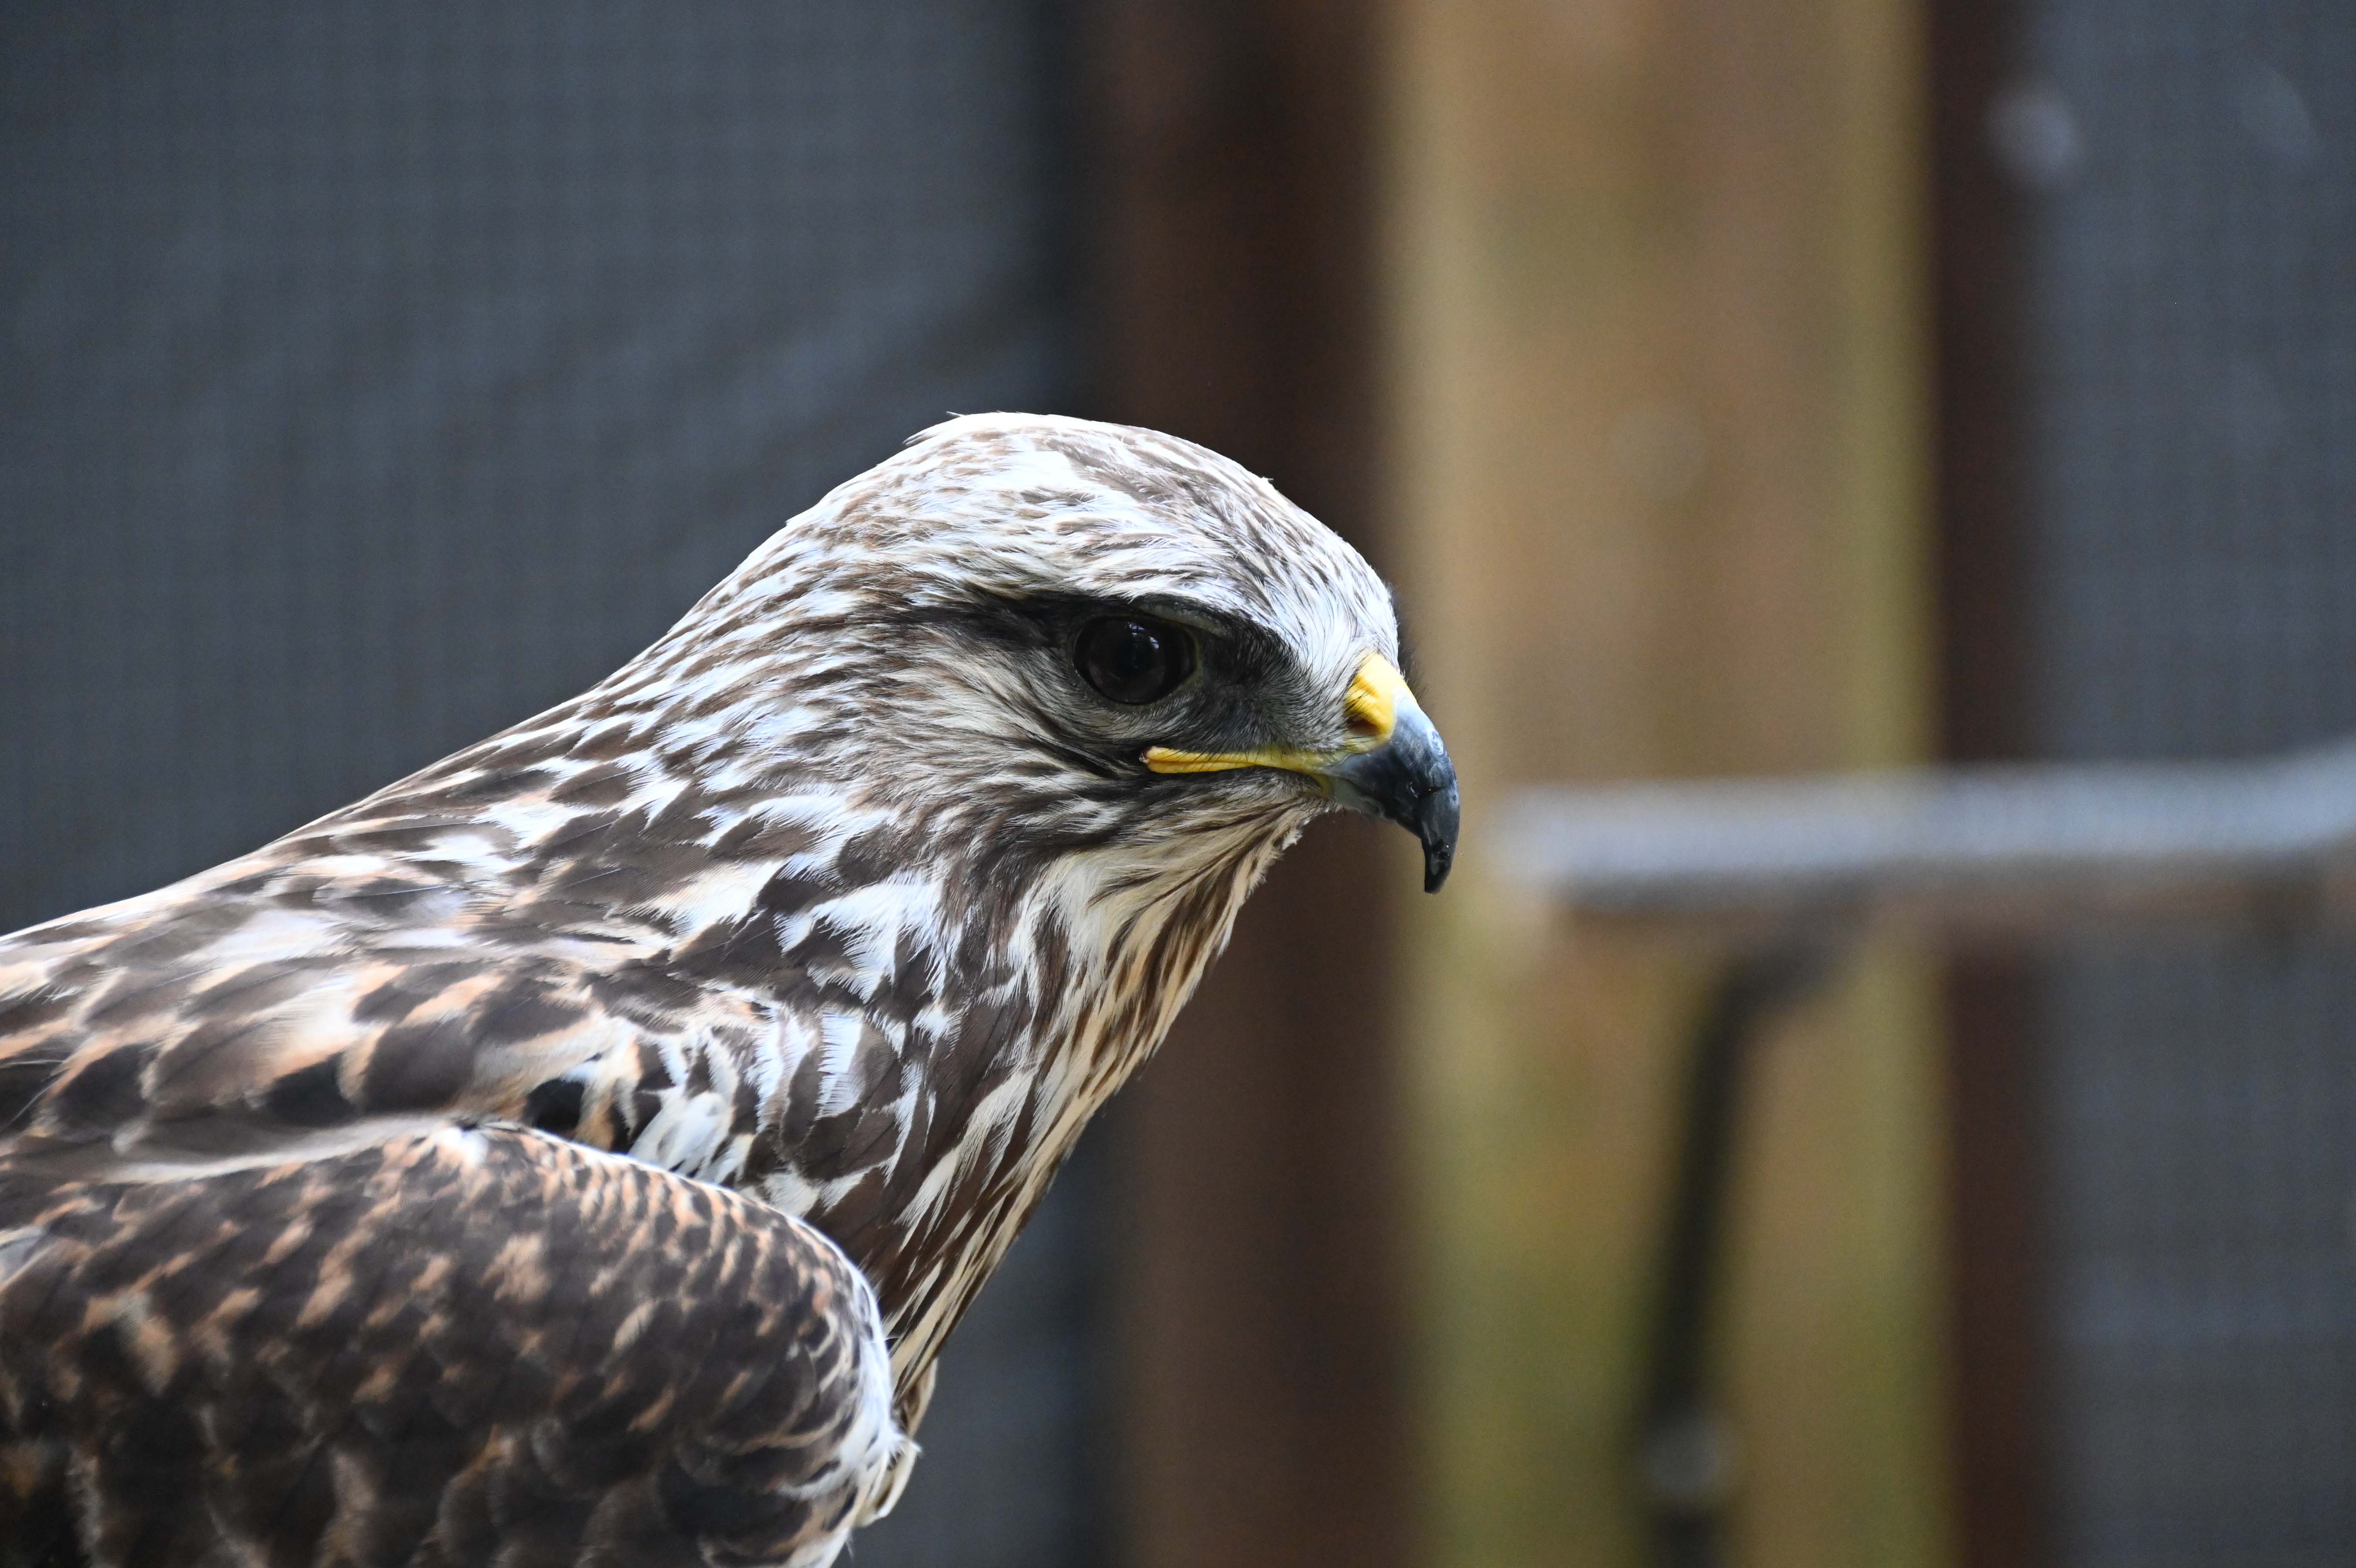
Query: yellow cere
(1372, 700)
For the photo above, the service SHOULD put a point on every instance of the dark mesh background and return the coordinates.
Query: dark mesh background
(376, 374)
(2194, 292)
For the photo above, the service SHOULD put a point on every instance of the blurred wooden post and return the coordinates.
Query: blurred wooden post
(1658, 397)
(2000, 1280)
(1231, 285)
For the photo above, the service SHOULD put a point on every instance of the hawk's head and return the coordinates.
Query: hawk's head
(1054, 649)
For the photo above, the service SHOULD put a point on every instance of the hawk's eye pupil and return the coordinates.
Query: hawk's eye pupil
(1133, 660)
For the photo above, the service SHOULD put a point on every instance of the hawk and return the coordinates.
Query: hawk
(580, 1150)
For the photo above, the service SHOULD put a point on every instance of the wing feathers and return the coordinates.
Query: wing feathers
(454, 1344)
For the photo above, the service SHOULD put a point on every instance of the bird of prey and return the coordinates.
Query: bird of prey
(579, 1151)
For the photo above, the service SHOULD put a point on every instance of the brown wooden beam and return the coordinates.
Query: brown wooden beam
(1229, 289)
(2002, 1430)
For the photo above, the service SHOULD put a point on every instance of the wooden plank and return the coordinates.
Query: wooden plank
(1999, 1286)
(1659, 390)
(1230, 287)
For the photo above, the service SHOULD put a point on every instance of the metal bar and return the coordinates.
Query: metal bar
(2008, 851)
(1685, 1453)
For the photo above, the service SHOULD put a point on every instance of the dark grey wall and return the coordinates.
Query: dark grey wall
(2190, 173)
(375, 375)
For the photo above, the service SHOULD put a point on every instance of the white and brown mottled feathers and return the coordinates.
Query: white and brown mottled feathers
(843, 895)
(365, 1357)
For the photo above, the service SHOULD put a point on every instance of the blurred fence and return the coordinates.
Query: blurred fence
(2177, 303)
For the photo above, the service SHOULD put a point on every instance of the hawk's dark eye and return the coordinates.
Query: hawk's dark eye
(1131, 660)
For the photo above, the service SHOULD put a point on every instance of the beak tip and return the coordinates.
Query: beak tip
(1435, 827)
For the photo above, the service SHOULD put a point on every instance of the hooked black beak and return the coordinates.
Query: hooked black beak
(1408, 779)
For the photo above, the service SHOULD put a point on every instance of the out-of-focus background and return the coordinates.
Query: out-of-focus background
(1730, 385)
